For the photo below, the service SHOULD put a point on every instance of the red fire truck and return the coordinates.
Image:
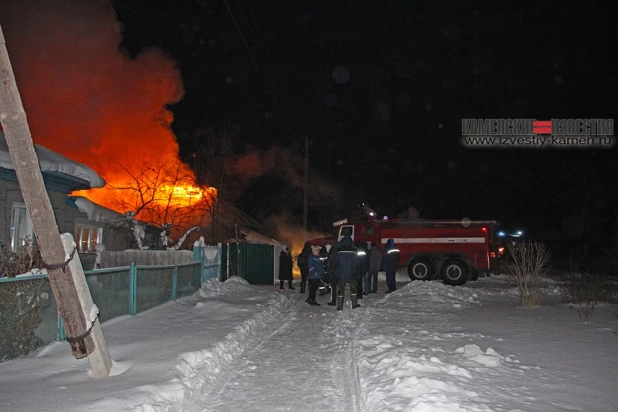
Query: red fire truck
(452, 250)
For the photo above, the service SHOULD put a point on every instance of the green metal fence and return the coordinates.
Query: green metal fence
(29, 314)
(253, 262)
(210, 256)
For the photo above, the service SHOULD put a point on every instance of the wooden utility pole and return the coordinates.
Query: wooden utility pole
(306, 185)
(64, 269)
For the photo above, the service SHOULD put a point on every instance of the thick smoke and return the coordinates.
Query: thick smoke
(84, 97)
(290, 234)
(88, 100)
(287, 165)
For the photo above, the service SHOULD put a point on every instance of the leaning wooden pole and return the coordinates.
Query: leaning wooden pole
(64, 269)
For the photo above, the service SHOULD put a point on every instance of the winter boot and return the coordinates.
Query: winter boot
(289, 285)
(314, 303)
(339, 302)
(355, 303)
(302, 288)
(333, 296)
(280, 284)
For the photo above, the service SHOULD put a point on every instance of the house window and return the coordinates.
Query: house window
(21, 226)
(87, 236)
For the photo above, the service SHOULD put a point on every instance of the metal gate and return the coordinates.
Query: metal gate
(253, 262)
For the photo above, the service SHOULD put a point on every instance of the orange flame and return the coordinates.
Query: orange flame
(159, 195)
(89, 100)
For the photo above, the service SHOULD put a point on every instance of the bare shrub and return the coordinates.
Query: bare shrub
(585, 291)
(526, 265)
(21, 302)
(26, 258)
(20, 306)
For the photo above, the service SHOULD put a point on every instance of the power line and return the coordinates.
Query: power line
(264, 49)
(255, 62)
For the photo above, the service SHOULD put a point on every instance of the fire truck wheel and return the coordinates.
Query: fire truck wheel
(454, 272)
(420, 269)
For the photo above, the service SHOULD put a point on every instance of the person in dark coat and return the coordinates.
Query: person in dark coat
(375, 259)
(332, 275)
(315, 274)
(303, 265)
(346, 270)
(390, 258)
(363, 266)
(285, 269)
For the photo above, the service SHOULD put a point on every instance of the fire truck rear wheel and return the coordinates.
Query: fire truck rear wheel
(420, 269)
(454, 272)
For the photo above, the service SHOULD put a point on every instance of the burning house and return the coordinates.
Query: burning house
(90, 100)
(90, 226)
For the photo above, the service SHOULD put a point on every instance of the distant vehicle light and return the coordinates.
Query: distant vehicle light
(485, 229)
(501, 234)
(385, 218)
(519, 233)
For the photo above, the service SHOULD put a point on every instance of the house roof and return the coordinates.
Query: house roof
(59, 172)
(98, 213)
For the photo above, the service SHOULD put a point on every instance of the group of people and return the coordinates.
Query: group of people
(346, 263)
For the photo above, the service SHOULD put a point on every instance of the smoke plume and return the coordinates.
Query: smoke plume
(292, 235)
(86, 99)
(83, 96)
(287, 165)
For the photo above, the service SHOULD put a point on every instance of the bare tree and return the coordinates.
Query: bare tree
(526, 265)
(165, 195)
(212, 163)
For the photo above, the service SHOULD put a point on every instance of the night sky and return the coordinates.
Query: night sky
(390, 134)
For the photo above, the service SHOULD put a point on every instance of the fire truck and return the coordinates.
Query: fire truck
(452, 250)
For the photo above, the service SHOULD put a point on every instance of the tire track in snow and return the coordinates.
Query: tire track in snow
(252, 346)
(344, 368)
(275, 375)
(220, 377)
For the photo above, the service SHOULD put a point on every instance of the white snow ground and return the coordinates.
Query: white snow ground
(427, 347)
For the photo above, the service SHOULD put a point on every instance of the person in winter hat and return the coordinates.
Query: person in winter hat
(346, 270)
(390, 259)
(303, 265)
(315, 274)
(285, 269)
(375, 259)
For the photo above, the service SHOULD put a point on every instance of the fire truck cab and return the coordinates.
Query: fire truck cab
(452, 250)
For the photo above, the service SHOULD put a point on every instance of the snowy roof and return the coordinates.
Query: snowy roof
(95, 212)
(251, 236)
(53, 162)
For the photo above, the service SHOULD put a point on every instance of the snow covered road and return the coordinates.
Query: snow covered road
(427, 347)
(405, 351)
(409, 351)
(304, 362)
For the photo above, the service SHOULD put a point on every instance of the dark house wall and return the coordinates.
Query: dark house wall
(67, 216)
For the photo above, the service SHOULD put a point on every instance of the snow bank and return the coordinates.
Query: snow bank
(198, 370)
(410, 371)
